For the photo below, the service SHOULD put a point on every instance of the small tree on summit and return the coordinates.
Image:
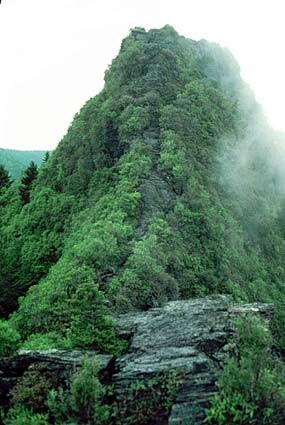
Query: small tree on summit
(5, 180)
(27, 181)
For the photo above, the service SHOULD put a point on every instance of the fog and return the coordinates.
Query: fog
(54, 54)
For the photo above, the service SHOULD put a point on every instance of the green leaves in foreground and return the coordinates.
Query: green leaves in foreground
(82, 403)
(23, 416)
(251, 386)
(9, 339)
(68, 310)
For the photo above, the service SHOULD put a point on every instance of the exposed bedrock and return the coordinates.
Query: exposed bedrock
(187, 336)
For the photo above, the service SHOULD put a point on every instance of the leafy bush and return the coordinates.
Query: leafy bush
(143, 401)
(67, 305)
(145, 281)
(23, 416)
(46, 341)
(134, 120)
(277, 324)
(91, 326)
(251, 386)
(83, 401)
(9, 339)
(31, 389)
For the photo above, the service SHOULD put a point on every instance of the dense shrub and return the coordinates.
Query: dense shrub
(31, 389)
(82, 402)
(22, 416)
(68, 310)
(9, 339)
(251, 386)
(46, 341)
(146, 400)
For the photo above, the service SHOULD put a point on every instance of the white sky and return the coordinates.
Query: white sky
(54, 54)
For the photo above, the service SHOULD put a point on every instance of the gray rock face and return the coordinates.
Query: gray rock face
(186, 336)
(157, 199)
(157, 196)
(191, 336)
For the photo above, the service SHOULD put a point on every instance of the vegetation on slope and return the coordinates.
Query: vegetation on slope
(17, 161)
(164, 187)
(251, 386)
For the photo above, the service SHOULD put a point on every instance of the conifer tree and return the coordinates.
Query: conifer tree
(5, 180)
(47, 155)
(27, 181)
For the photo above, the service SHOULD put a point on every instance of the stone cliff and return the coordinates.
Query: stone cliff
(191, 337)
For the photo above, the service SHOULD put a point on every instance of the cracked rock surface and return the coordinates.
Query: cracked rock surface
(188, 336)
(191, 336)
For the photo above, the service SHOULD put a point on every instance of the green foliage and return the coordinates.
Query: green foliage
(31, 242)
(69, 304)
(27, 181)
(47, 155)
(162, 188)
(22, 416)
(231, 408)
(251, 386)
(15, 162)
(277, 324)
(46, 341)
(9, 339)
(31, 389)
(5, 179)
(134, 119)
(145, 281)
(69, 301)
(91, 326)
(43, 223)
(144, 401)
(86, 395)
(83, 401)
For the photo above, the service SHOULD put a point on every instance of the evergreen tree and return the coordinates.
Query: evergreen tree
(5, 180)
(27, 181)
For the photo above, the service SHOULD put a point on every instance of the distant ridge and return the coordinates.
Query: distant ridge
(16, 161)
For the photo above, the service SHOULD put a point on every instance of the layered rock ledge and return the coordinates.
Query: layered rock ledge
(188, 336)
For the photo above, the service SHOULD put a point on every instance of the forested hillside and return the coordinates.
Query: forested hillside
(167, 185)
(17, 161)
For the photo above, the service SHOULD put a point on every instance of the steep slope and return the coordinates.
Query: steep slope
(163, 188)
(17, 161)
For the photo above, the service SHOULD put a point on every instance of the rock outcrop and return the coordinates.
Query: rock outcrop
(187, 336)
(191, 336)
(157, 195)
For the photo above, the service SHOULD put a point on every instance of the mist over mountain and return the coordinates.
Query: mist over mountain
(168, 185)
